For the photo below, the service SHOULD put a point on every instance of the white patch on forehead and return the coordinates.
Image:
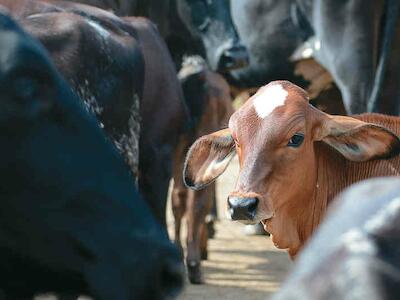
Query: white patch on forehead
(103, 32)
(269, 98)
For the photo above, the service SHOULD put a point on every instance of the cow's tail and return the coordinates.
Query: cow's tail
(392, 8)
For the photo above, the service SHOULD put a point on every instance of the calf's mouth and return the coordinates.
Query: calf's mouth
(267, 224)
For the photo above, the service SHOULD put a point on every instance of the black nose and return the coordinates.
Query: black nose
(234, 57)
(242, 209)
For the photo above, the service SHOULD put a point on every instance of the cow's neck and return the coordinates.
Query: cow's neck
(313, 208)
(335, 173)
(330, 180)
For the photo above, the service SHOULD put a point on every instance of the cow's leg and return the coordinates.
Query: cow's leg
(204, 234)
(179, 195)
(213, 215)
(155, 173)
(199, 204)
(338, 23)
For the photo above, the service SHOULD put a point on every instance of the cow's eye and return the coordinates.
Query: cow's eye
(296, 140)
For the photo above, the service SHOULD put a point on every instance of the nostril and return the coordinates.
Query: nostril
(252, 206)
(234, 57)
(242, 208)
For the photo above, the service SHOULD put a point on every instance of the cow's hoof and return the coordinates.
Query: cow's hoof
(204, 254)
(194, 272)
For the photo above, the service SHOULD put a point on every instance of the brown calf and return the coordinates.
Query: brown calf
(293, 160)
(208, 98)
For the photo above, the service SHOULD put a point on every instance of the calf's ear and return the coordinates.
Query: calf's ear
(357, 140)
(208, 158)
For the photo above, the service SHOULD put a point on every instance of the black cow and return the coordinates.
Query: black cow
(100, 57)
(164, 116)
(71, 219)
(356, 41)
(267, 30)
(355, 253)
(189, 27)
(108, 60)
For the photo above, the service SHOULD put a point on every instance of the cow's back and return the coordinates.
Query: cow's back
(163, 115)
(101, 59)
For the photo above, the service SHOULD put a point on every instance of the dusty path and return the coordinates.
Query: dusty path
(239, 267)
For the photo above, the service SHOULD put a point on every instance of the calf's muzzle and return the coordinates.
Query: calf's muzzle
(242, 209)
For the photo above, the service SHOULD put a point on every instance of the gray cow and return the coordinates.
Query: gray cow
(358, 42)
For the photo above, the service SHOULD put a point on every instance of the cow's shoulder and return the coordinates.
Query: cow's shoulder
(142, 23)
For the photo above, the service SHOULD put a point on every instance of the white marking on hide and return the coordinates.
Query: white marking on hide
(103, 32)
(306, 50)
(307, 53)
(268, 99)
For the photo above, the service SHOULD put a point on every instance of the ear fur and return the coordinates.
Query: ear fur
(208, 158)
(358, 140)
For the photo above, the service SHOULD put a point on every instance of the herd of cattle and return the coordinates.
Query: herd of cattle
(96, 121)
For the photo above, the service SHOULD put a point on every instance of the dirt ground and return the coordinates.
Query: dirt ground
(239, 267)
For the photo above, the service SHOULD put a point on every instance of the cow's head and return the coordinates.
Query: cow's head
(210, 20)
(271, 32)
(275, 134)
(65, 183)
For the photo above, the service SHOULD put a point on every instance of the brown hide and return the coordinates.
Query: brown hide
(215, 113)
(293, 160)
(334, 174)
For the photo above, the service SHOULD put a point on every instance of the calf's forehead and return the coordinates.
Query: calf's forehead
(268, 98)
(272, 105)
